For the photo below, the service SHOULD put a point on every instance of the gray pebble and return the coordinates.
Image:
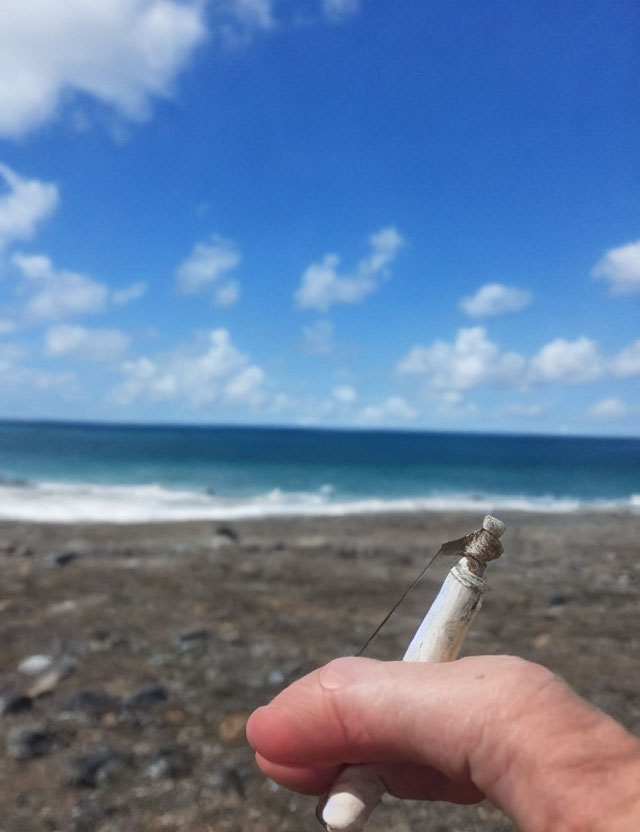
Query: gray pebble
(25, 743)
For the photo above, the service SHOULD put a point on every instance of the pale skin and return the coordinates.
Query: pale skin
(494, 726)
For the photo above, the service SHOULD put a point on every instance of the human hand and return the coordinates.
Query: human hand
(490, 725)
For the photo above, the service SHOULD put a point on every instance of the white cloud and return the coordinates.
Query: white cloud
(25, 204)
(123, 296)
(495, 299)
(470, 361)
(13, 373)
(627, 361)
(322, 286)
(393, 409)
(216, 373)
(122, 52)
(319, 338)
(245, 387)
(7, 326)
(55, 294)
(238, 17)
(207, 263)
(452, 398)
(570, 362)
(89, 344)
(611, 409)
(345, 394)
(227, 294)
(620, 267)
(339, 9)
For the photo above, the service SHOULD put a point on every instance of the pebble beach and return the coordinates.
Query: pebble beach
(132, 655)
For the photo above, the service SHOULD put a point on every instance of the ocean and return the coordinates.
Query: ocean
(97, 473)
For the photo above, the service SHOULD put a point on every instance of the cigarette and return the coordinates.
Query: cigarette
(358, 788)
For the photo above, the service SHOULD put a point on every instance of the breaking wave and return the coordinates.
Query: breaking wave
(62, 502)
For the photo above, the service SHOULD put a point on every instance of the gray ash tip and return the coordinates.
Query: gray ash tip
(493, 525)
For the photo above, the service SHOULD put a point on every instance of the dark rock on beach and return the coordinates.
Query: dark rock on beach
(97, 767)
(24, 743)
(15, 703)
(144, 653)
(146, 696)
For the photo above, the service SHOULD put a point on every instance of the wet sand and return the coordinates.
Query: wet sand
(162, 638)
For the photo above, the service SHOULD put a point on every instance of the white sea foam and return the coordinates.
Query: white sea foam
(86, 502)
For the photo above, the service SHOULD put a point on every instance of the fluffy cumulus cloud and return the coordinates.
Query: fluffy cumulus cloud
(87, 344)
(55, 294)
(215, 373)
(121, 52)
(322, 285)
(620, 268)
(24, 203)
(569, 362)
(345, 394)
(472, 360)
(14, 373)
(392, 410)
(627, 361)
(611, 409)
(339, 9)
(210, 263)
(227, 294)
(495, 299)
(235, 19)
(47, 293)
(134, 292)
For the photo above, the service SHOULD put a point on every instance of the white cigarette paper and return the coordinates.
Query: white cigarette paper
(439, 637)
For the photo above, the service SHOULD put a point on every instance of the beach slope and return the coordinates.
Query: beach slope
(149, 645)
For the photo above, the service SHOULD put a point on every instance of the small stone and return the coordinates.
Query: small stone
(57, 559)
(109, 720)
(97, 767)
(232, 727)
(227, 531)
(169, 762)
(175, 717)
(146, 696)
(229, 778)
(542, 641)
(25, 743)
(16, 703)
(35, 664)
(192, 640)
(275, 678)
(49, 681)
(63, 607)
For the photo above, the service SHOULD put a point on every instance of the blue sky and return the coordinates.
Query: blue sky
(403, 214)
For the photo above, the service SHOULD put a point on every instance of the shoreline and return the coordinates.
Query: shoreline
(131, 511)
(173, 632)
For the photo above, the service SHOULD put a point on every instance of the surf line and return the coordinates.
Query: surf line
(358, 788)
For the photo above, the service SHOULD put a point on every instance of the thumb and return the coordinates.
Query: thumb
(422, 724)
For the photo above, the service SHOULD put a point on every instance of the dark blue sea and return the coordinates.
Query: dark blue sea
(72, 472)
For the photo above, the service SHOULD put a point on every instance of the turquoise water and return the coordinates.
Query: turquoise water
(98, 472)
